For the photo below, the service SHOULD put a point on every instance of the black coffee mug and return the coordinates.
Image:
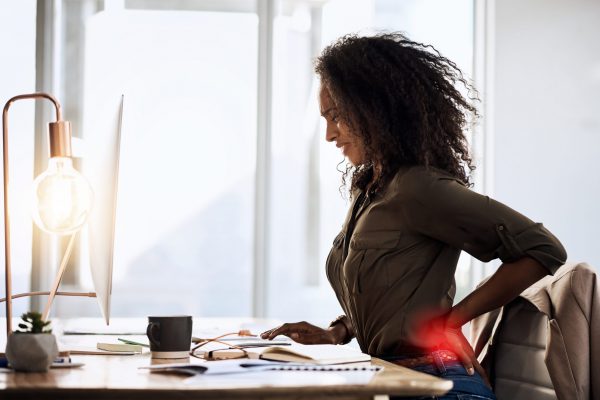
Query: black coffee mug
(170, 337)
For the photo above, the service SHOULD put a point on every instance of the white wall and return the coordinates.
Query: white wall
(547, 117)
(17, 76)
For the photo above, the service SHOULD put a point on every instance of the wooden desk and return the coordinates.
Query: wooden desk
(118, 377)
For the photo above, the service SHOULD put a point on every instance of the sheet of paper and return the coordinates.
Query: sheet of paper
(87, 344)
(282, 378)
(318, 354)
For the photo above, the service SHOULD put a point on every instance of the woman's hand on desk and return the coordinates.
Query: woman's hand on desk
(305, 333)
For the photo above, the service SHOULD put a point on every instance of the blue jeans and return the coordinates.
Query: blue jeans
(465, 386)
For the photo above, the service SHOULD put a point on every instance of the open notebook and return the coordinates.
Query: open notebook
(320, 354)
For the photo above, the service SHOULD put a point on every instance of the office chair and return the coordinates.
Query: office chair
(545, 344)
(517, 367)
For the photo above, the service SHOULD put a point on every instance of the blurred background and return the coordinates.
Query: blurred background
(229, 197)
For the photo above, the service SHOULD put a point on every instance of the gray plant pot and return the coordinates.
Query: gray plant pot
(31, 352)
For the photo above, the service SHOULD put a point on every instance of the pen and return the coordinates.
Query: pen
(126, 341)
(62, 360)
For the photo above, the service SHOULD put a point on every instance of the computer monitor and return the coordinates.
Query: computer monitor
(102, 129)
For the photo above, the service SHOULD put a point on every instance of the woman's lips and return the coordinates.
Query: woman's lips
(345, 147)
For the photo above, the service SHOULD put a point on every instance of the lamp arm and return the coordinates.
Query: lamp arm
(8, 276)
(37, 95)
(47, 293)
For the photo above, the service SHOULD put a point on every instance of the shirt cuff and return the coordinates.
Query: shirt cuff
(342, 319)
(535, 242)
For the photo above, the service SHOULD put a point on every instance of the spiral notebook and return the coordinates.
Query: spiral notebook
(245, 366)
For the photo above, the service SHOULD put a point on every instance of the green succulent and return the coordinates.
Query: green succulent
(33, 323)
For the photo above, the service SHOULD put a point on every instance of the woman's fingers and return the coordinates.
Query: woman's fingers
(471, 360)
(280, 330)
(475, 364)
(471, 365)
(288, 329)
(463, 356)
(301, 332)
(465, 353)
(462, 348)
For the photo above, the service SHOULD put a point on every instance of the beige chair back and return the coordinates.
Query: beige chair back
(518, 369)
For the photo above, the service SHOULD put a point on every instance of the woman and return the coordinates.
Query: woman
(392, 107)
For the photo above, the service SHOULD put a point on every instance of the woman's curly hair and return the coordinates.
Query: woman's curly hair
(399, 97)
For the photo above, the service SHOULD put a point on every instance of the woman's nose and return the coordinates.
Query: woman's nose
(331, 132)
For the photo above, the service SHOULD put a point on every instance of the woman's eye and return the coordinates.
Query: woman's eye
(335, 118)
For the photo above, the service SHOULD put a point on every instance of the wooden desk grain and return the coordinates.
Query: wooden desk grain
(118, 377)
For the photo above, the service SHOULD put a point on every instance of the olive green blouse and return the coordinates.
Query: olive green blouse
(395, 258)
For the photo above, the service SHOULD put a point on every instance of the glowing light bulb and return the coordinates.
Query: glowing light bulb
(62, 198)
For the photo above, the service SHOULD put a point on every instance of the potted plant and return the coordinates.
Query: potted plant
(32, 348)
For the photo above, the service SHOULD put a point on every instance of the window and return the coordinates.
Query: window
(186, 190)
(191, 173)
(183, 237)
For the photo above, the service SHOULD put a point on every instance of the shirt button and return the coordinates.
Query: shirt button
(501, 227)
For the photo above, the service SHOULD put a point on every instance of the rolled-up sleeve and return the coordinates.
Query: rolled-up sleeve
(443, 208)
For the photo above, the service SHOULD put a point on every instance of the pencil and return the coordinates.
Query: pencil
(132, 342)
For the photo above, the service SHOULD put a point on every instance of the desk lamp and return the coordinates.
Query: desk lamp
(62, 200)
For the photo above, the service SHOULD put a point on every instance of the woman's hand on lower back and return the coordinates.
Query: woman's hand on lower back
(305, 333)
(438, 333)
